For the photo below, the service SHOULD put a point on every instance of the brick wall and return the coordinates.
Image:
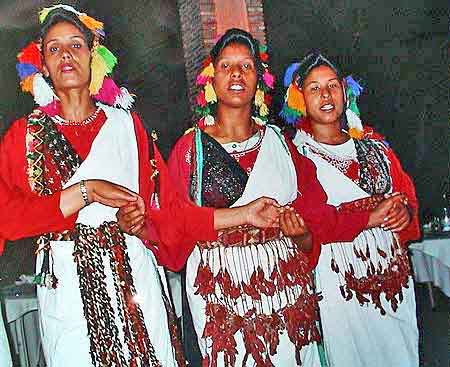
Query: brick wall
(199, 24)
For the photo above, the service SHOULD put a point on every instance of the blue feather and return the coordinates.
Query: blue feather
(25, 70)
(289, 73)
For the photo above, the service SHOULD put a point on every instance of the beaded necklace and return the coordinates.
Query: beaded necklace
(61, 121)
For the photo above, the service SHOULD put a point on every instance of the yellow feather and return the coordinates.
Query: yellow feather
(208, 71)
(99, 69)
(210, 94)
(263, 110)
(259, 97)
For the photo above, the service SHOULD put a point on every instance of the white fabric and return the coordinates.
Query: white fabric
(357, 335)
(431, 262)
(5, 355)
(113, 157)
(273, 175)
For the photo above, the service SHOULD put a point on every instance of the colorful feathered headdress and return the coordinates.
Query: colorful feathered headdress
(102, 87)
(294, 107)
(206, 99)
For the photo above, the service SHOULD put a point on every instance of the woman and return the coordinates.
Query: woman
(368, 308)
(250, 292)
(105, 302)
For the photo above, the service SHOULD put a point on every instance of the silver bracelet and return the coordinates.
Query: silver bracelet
(84, 193)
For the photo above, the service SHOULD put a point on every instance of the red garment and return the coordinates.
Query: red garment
(22, 211)
(322, 219)
(402, 183)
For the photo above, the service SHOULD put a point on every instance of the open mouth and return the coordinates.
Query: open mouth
(66, 68)
(236, 87)
(327, 107)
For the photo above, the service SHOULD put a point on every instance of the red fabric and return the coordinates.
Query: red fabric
(403, 183)
(22, 211)
(323, 220)
(178, 224)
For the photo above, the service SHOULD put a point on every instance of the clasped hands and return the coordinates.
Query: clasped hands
(391, 214)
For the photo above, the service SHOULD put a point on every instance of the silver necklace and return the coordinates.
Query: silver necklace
(61, 121)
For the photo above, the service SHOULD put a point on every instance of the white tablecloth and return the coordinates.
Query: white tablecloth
(431, 262)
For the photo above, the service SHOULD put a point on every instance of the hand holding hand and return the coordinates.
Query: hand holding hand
(109, 194)
(398, 217)
(262, 213)
(292, 225)
(131, 217)
(391, 213)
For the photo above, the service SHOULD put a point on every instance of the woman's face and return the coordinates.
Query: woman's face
(324, 97)
(235, 76)
(67, 57)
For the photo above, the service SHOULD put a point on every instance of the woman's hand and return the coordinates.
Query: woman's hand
(100, 191)
(262, 213)
(391, 214)
(107, 193)
(292, 225)
(398, 217)
(131, 218)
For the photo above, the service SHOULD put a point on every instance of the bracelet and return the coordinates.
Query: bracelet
(84, 193)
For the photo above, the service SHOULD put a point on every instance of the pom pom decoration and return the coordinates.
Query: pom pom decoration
(353, 91)
(43, 94)
(206, 99)
(294, 105)
(102, 88)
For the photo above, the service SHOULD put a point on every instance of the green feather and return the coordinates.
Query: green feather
(108, 57)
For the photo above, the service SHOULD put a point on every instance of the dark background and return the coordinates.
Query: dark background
(398, 48)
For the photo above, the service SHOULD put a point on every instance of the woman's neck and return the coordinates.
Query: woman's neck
(329, 133)
(232, 124)
(76, 105)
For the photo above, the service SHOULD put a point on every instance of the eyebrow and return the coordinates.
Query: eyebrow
(71, 37)
(315, 81)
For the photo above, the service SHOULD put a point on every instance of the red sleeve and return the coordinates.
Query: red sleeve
(403, 183)
(22, 211)
(324, 221)
(178, 224)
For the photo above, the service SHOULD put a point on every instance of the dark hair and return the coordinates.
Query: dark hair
(311, 61)
(239, 36)
(62, 15)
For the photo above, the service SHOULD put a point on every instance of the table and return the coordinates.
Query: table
(431, 263)
(22, 325)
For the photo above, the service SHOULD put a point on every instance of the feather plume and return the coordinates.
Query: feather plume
(99, 69)
(295, 99)
(43, 94)
(289, 74)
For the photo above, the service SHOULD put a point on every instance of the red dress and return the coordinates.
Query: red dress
(25, 214)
